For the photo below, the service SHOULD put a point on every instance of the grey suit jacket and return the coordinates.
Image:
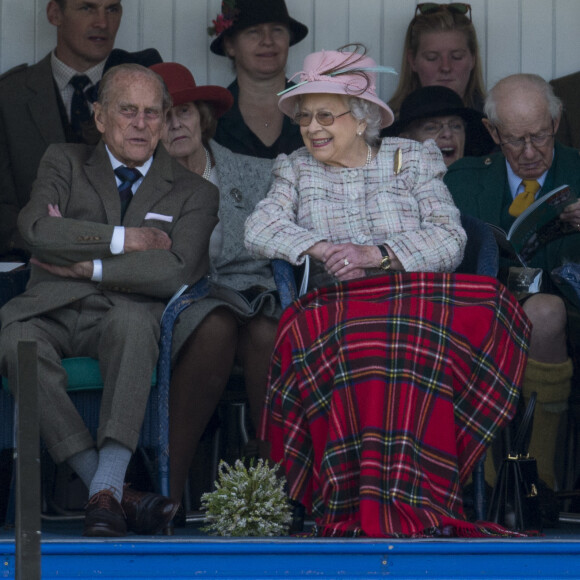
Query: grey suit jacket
(80, 179)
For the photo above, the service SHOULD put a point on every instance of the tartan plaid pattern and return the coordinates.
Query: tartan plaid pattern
(385, 392)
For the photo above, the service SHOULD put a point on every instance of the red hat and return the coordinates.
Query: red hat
(181, 85)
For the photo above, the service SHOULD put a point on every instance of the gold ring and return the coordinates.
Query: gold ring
(346, 262)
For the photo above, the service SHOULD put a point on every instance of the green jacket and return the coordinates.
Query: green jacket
(479, 187)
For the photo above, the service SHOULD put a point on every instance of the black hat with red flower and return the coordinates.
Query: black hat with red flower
(239, 14)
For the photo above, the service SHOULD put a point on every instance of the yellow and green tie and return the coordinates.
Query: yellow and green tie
(523, 200)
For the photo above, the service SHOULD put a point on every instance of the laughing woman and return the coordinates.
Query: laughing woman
(438, 113)
(384, 390)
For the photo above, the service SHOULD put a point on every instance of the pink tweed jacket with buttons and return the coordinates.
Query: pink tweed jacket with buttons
(411, 209)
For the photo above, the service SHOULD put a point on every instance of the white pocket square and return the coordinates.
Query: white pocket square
(159, 216)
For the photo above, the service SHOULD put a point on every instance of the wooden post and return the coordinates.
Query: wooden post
(27, 465)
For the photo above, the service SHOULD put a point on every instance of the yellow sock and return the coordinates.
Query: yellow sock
(552, 383)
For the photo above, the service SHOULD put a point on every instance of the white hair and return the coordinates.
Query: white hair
(370, 113)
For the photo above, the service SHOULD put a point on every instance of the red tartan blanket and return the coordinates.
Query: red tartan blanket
(385, 392)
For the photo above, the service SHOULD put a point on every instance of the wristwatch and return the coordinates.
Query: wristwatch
(385, 260)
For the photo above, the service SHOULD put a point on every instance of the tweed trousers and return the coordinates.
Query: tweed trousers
(122, 335)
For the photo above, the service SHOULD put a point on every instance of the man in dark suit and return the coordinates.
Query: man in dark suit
(523, 115)
(568, 88)
(100, 281)
(36, 102)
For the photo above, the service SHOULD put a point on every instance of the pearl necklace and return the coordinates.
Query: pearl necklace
(369, 155)
(207, 171)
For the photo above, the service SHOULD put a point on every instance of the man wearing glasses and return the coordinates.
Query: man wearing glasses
(523, 114)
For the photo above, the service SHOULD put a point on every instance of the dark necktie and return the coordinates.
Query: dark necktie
(79, 107)
(128, 177)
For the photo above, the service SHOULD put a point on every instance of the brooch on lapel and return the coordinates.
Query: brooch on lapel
(398, 161)
(236, 194)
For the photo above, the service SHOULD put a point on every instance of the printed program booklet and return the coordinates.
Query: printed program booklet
(538, 225)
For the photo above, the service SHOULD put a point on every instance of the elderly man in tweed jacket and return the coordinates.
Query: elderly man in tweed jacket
(99, 284)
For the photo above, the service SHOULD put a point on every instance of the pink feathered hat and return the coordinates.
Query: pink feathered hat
(342, 73)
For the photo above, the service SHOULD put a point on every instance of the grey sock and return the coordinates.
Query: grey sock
(85, 464)
(113, 462)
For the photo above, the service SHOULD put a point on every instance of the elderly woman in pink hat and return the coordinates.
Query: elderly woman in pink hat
(400, 215)
(236, 322)
(392, 376)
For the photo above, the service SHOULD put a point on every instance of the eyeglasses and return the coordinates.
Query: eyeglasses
(536, 141)
(433, 128)
(433, 7)
(324, 118)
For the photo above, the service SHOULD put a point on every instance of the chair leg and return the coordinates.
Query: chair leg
(215, 453)
(11, 505)
(479, 494)
(241, 409)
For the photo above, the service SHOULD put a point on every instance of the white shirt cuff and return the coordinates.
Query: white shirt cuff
(97, 271)
(118, 240)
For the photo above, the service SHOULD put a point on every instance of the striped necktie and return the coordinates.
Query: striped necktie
(128, 177)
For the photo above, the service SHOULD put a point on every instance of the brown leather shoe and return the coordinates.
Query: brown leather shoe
(146, 512)
(104, 516)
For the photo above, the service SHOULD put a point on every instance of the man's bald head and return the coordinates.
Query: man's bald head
(520, 94)
(523, 115)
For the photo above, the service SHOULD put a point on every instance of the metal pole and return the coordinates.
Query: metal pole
(27, 465)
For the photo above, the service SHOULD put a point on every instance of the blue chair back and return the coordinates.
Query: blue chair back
(481, 251)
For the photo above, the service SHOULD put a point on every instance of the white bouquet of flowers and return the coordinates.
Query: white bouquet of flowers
(247, 502)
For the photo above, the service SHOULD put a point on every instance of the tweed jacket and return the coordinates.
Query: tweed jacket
(243, 182)
(568, 88)
(409, 209)
(29, 122)
(80, 179)
(480, 188)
